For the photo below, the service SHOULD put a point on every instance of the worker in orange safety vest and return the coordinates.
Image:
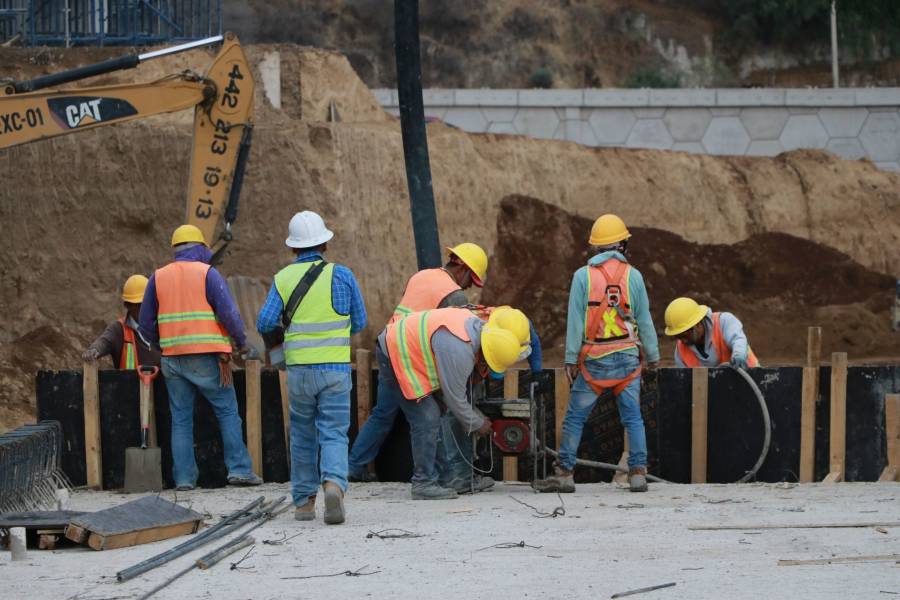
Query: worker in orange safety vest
(122, 340)
(706, 338)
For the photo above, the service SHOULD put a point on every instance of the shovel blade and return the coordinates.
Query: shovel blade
(143, 470)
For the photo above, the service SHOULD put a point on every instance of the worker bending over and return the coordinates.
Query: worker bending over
(322, 305)
(609, 327)
(435, 350)
(706, 338)
(189, 312)
(426, 290)
(122, 340)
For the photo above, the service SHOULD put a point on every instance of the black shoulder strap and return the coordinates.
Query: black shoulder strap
(306, 282)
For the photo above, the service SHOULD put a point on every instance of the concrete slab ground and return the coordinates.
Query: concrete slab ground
(608, 541)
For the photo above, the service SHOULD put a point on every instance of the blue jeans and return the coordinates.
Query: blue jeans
(185, 376)
(583, 398)
(424, 419)
(376, 429)
(455, 455)
(320, 417)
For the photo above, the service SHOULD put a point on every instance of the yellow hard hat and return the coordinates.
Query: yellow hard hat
(682, 314)
(512, 320)
(608, 229)
(133, 290)
(500, 347)
(473, 257)
(187, 233)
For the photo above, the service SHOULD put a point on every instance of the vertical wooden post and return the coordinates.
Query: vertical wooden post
(254, 414)
(621, 478)
(363, 386)
(838, 438)
(92, 449)
(511, 391)
(561, 401)
(699, 418)
(285, 413)
(813, 346)
(892, 432)
(809, 395)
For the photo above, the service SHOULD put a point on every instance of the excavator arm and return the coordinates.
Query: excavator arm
(223, 105)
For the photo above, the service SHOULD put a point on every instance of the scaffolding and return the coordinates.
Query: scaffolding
(108, 22)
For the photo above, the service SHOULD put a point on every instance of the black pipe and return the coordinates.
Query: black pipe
(415, 140)
(54, 79)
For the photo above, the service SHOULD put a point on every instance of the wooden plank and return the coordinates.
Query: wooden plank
(841, 560)
(148, 512)
(699, 423)
(808, 398)
(892, 433)
(77, 534)
(621, 477)
(852, 525)
(285, 413)
(561, 400)
(363, 386)
(813, 346)
(254, 414)
(145, 536)
(47, 541)
(92, 454)
(511, 391)
(838, 424)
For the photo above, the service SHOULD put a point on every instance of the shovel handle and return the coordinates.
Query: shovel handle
(146, 375)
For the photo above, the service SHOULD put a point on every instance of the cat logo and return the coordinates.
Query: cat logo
(73, 112)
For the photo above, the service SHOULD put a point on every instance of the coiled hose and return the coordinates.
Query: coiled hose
(767, 440)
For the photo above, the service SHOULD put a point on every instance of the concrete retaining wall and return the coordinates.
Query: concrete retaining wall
(852, 123)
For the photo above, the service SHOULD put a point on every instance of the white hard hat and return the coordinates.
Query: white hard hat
(307, 230)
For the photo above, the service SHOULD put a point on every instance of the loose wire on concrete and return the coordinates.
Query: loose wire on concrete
(234, 566)
(393, 534)
(284, 539)
(559, 511)
(507, 545)
(356, 573)
(642, 590)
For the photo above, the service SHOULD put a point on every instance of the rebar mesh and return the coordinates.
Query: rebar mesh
(30, 470)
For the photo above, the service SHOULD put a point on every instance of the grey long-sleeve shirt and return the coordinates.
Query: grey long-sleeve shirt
(733, 334)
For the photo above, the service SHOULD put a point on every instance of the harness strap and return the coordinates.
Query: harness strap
(601, 385)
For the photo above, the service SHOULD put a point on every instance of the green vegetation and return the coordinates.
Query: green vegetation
(651, 77)
(542, 78)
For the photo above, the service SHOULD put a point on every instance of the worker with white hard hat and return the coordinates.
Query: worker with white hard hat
(318, 306)
(122, 340)
(706, 338)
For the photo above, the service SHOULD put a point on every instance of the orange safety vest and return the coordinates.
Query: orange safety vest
(128, 356)
(608, 326)
(408, 344)
(424, 291)
(690, 359)
(187, 323)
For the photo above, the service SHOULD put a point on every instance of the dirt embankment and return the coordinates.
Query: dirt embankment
(777, 284)
(82, 212)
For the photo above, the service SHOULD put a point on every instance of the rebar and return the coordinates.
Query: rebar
(30, 467)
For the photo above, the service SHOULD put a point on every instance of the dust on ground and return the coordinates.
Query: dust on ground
(608, 541)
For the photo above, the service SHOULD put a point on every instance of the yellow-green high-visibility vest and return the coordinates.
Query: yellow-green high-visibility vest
(317, 333)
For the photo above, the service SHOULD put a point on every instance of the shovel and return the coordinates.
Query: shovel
(143, 466)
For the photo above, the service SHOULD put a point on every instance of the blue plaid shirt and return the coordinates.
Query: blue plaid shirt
(345, 299)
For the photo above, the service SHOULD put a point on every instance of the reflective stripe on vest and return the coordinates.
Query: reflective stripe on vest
(424, 291)
(187, 323)
(408, 344)
(128, 356)
(317, 333)
(723, 353)
(606, 328)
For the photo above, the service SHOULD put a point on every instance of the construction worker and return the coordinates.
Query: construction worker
(189, 312)
(426, 290)
(122, 340)
(706, 338)
(323, 305)
(435, 350)
(609, 327)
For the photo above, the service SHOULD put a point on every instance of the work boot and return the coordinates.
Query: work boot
(334, 503)
(245, 480)
(185, 487)
(306, 512)
(361, 476)
(464, 485)
(562, 481)
(432, 491)
(637, 479)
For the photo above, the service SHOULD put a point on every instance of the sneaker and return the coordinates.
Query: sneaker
(464, 485)
(562, 481)
(361, 476)
(306, 512)
(637, 479)
(334, 503)
(244, 480)
(432, 491)
(185, 487)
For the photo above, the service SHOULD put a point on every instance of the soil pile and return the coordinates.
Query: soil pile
(777, 284)
(82, 212)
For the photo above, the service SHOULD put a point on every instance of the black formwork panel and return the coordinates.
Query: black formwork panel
(673, 429)
(60, 398)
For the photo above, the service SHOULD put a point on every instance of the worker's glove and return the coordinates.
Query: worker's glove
(485, 428)
(249, 353)
(739, 362)
(572, 373)
(90, 355)
(225, 377)
(652, 366)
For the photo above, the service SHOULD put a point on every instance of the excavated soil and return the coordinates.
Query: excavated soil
(81, 212)
(776, 283)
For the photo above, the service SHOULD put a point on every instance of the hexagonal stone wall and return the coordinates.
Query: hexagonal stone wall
(880, 136)
(536, 122)
(612, 125)
(726, 135)
(650, 133)
(803, 131)
(687, 124)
